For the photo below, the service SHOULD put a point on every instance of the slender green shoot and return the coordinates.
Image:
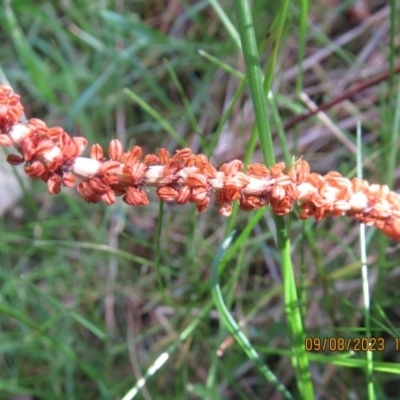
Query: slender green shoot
(232, 325)
(302, 44)
(162, 121)
(227, 22)
(256, 85)
(364, 276)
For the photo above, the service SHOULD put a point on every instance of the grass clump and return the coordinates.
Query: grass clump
(121, 302)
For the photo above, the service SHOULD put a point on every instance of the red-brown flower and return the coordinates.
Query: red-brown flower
(52, 155)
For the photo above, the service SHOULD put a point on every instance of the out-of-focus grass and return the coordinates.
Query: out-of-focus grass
(81, 312)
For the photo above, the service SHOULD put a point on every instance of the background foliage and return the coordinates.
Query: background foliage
(91, 296)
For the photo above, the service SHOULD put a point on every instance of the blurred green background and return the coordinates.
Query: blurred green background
(82, 315)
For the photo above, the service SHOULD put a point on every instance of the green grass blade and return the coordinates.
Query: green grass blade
(58, 345)
(279, 23)
(162, 121)
(227, 22)
(256, 84)
(255, 78)
(364, 277)
(302, 44)
(232, 325)
(35, 66)
(220, 64)
(73, 314)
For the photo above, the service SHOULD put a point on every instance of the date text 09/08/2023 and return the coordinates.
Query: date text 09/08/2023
(355, 344)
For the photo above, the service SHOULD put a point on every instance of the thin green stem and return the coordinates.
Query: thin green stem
(393, 14)
(277, 36)
(302, 44)
(255, 77)
(226, 21)
(364, 277)
(158, 254)
(157, 116)
(394, 140)
(233, 326)
(57, 344)
(279, 128)
(257, 88)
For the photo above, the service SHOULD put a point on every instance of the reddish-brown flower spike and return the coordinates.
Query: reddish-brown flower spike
(226, 210)
(183, 195)
(317, 200)
(64, 140)
(108, 172)
(151, 159)
(137, 172)
(13, 159)
(3, 115)
(164, 156)
(258, 170)
(246, 205)
(118, 190)
(5, 140)
(53, 133)
(135, 196)
(167, 193)
(134, 154)
(87, 193)
(41, 127)
(55, 163)
(315, 180)
(110, 167)
(231, 168)
(96, 152)
(194, 180)
(81, 143)
(358, 185)
(208, 171)
(283, 181)
(182, 155)
(392, 229)
(340, 208)
(11, 109)
(144, 201)
(68, 180)
(243, 178)
(292, 192)
(54, 184)
(109, 197)
(98, 186)
(232, 195)
(28, 146)
(110, 180)
(277, 170)
(35, 170)
(190, 161)
(203, 204)
(282, 207)
(170, 169)
(299, 171)
(53, 156)
(198, 195)
(115, 149)
(278, 192)
(43, 147)
(307, 210)
(235, 183)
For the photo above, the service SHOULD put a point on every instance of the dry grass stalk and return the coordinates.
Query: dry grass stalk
(53, 156)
